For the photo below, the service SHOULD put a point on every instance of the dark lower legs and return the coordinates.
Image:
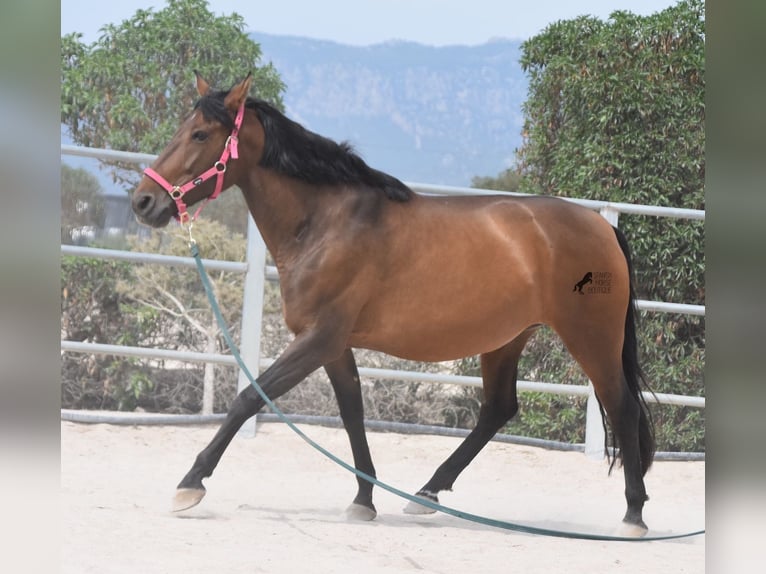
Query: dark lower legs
(605, 370)
(247, 403)
(345, 382)
(303, 356)
(499, 370)
(625, 423)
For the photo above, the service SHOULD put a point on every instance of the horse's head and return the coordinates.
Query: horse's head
(193, 166)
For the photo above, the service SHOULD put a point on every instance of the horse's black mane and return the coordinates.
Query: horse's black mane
(292, 150)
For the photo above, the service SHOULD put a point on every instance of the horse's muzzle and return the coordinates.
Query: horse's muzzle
(152, 209)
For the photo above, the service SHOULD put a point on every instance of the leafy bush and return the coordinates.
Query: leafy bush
(93, 311)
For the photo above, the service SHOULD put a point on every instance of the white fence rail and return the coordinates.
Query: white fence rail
(256, 271)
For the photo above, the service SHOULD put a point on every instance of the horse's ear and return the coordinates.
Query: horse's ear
(202, 86)
(238, 94)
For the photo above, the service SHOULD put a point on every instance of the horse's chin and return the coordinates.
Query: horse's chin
(156, 221)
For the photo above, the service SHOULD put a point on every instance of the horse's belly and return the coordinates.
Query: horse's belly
(438, 344)
(444, 328)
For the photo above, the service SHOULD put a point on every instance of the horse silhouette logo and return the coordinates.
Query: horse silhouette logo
(588, 278)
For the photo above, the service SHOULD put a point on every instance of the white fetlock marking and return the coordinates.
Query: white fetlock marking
(360, 512)
(626, 530)
(415, 508)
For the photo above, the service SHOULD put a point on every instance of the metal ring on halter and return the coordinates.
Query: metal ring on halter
(176, 193)
(220, 167)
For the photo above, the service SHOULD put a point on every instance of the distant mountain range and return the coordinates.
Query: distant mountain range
(424, 114)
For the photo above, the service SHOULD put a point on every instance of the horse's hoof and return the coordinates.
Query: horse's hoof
(415, 508)
(631, 530)
(360, 512)
(186, 498)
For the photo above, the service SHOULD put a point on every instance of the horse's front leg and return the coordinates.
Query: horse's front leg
(345, 382)
(308, 351)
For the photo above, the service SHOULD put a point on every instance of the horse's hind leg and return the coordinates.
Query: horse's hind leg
(624, 412)
(626, 425)
(601, 360)
(499, 372)
(345, 382)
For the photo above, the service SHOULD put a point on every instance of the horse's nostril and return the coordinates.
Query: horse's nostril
(144, 203)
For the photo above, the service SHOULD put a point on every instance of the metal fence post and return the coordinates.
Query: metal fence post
(594, 428)
(252, 313)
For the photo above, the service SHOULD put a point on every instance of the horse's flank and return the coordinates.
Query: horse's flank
(493, 257)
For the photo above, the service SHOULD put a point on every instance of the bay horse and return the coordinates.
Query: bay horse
(365, 262)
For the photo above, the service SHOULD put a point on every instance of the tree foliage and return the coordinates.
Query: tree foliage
(616, 109)
(129, 89)
(507, 180)
(92, 311)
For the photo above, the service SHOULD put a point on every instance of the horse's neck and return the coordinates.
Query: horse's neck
(280, 207)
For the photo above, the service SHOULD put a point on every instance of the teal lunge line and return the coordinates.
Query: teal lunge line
(422, 501)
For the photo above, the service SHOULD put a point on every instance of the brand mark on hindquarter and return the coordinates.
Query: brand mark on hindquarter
(594, 283)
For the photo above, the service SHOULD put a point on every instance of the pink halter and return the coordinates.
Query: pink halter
(177, 192)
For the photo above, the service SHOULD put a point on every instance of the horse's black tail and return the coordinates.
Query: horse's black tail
(632, 370)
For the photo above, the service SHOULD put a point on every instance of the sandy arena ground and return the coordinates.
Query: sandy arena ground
(276, 505)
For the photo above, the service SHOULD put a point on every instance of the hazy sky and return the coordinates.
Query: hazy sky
(364, 22)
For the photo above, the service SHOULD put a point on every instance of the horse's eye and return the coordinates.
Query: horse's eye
(199, 136)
